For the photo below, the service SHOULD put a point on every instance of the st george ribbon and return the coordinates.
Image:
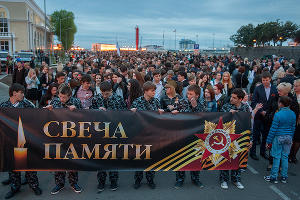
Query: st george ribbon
(90, 140)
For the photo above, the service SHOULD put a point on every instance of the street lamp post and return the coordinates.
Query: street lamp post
(254, 42)
(280, 39)
(175, 38)
(45, 34)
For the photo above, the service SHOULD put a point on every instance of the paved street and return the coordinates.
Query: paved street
(3, 90)
(255, 187)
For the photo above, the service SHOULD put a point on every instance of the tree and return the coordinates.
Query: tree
(287, 31)
(63, 26)
(261, 34)
(244, 36)
(265, 33)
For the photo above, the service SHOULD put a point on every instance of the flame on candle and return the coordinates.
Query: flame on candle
(21, 136)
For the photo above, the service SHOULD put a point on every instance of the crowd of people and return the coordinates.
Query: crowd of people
(169, 82)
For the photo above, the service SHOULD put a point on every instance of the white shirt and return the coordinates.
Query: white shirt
(268, 90)
(159, 89)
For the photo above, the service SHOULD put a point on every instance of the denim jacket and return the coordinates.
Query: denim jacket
(284, 123)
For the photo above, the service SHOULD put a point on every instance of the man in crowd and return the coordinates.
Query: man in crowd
(234, 106)
(19, 74)
(16, 100)
(65, 100)
(158, 83)
(262, 95)
(143, 103)
(193, 104)
(104, 101)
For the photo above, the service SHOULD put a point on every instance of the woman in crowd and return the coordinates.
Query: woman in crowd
(228, 85)
(296, 139)
(169, 100)
(203, 81)
(119, 87)
(280, 139)
(241, 78)
(45, 79)
(284, 90)
(209, 96)
(97, 83)
(138, 76)
(50, 94)
(135, 91)
(219, 96)
(32, 83)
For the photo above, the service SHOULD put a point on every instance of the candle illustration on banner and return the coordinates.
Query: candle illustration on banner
(20, 152)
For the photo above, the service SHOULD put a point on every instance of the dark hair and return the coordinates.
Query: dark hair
(105, 86)
(211, 92)
(65, 89)
(156, 72)
(266, 75)
(182, 73)
(123, 68)
(239, 93)
(241, 69)
(285, 100)
(135, 90)
(139, 77)
(86, 78)
(48, 93)
(291, 70)
(149, 86)
(60, 74)
(16, 87)
(117, 74)
(95, 71)
(220, 86)
(195, 88)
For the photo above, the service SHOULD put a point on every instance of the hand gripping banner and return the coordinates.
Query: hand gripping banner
(89, 140)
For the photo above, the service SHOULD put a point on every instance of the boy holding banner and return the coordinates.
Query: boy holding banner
(235, 105)
(65, 100)
(194, 103)
(16, 100)
(106, 100)
(144, 103)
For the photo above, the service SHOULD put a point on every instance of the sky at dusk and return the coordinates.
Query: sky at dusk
(107, 21)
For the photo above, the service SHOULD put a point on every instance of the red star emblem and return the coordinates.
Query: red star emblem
(217, 141)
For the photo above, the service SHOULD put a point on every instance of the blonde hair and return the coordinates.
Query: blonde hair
(287, 87)
(31, 71)
(229, 80)
(173, 92)
(296, 81)
(281, 74)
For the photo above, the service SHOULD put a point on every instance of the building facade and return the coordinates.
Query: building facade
(186, 44)
(22, 27)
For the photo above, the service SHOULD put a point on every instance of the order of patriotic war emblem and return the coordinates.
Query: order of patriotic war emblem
(218, 141)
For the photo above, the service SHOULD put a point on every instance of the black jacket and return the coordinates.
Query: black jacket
(288, 79)
(259, 96)
(241, 80)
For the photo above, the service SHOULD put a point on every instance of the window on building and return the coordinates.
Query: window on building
(4, 45)
(3, 21)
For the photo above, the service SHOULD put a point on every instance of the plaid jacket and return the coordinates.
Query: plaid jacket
(186, 106)
(114, 102)
(142, 104)
(227, 107)
(22, 104)
(56, 103)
